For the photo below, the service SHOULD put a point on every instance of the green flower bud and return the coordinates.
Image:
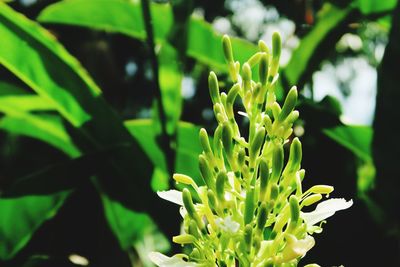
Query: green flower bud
(193, 229)
(263, 46)
(241, 157)
(294, 211)
(206, 172)
(274, 192)
(231, 100)
(248, 236)
(254, 59)
(293, 116)
(227, 46)
(189, 206)
(223, 99)
(249, 206)
(267, 123)
(220, 185)
(183, 179)
(212, 200)
(288, 106)
(276, 52)
(256, 144)
(311, 199)
(277, 163)
(263, 69)
(295, 156)
(276, 110)
(262, 216)
(205, 142)
(321, 189)
(184, 239)
(264, 175)
(227, 135)
(214, 88)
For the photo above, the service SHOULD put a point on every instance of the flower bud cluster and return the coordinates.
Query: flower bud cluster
(248, 207)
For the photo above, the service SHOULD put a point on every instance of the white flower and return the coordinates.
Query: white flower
(227, 225)
(325, 210)
(164, 261)
(295, 248)
(173, 196)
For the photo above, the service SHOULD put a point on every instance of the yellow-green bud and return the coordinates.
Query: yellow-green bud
(276, 52)
(262, 216)
(254, 59)
(184, 239)
(294, 210)
(220, 185)
(183, 179)
(241, 157)
(276, 110)
(227, 46)
(246, 76)
(264, 175)
(227, 135)
(204, 141)
(274, 192)
(277, 163)
(256, 145)
(295, 156)
(230, 100)
(263, 46)
(193, 229)
(311, 199)
(263, 69)
(267, 123)
(206, 172)
(248, 234)
(212, 201)
(249, 206)
(290, 103)
(321, 189)
(214, 88)
(293, 116)
(189, 206)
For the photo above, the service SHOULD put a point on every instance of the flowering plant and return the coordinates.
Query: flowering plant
(248, 209)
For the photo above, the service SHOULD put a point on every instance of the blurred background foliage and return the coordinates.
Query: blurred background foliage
(101, 101)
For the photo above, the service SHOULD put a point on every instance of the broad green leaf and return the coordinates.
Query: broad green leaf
(375, 6)
(355, 138)
(203, 44)
(328, 20)
(21, 217)
(128, 226)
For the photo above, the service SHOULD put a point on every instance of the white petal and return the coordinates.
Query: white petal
(325, 210)
(227, 224)
(164, 261)
(173, 196)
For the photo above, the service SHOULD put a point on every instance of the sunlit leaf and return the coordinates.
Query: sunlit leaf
(355, 138)
(20, 217)
(375, 6)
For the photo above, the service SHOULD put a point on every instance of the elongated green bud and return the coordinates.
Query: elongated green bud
(220, 185)
(321, 189)
(277, 163)
(274, 191)
(246, 76)
(295, 156)
(204, 141)
(276, 110)
(293, 116)
(294, 210)
(227, 46)
(223, 98)
(254, 59)
(248, 236)
(214, 88)
(212, 200)
(193, 229)
(249, 206)
(262, 216)
(189, 206)
(276, 53)
(227, 138)
(206, 172)
(241, 157)
(183, 179)
(263, 46)
(267, 123)
(230, 100)
(311, 199)
(184, 239)
(290, 103)
(263, 69)
(264, 175)
(256, 145)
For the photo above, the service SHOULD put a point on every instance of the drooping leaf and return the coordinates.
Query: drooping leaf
(375, 6)
(306, 57)
(203, 44)
(20, 217)
(355, 138)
